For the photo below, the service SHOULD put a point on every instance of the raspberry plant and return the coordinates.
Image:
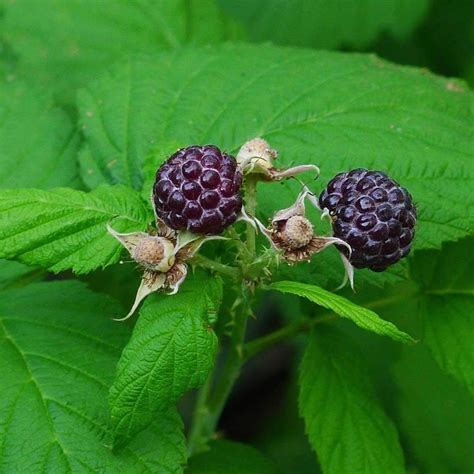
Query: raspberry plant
(212, 197)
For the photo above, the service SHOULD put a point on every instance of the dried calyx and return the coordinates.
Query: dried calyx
(257, 157)
(292, 234)
(163, 254)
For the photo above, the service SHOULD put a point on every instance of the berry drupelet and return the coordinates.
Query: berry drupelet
(198, 189)
(373, 214)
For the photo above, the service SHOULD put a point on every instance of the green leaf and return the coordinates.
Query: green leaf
(171, 351)
(447, 308)
(364, 318)
(435, 415)
(58, 349)
(449, 334)
(344, 421)
(336, 110)
(66, 43)
(230, 458)
(323, 23)
(66, 229)
(38, 141)
(38, 146)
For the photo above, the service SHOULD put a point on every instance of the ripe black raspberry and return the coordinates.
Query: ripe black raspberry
(373, 214)
(197, 189)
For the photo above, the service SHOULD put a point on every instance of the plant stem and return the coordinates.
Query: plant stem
(218, 267)
(250, 205)
(264, 342)
(233, 362)
(210, 402)
(197, 437)
(235, 239)
(261, 343)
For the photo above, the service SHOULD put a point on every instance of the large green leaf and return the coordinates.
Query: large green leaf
(38, 146)
(67, 42)
(344, 421)
(446, 307)
(58, 349)
(435, 415)
(326, 23)
(230, 458)
(171, 351)
(339, 111)
(38, 141)
(66, 229)
(363, 317)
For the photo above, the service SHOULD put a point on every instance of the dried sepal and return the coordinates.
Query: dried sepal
(278, 175)
(129, 240)
(164, 231)
(162, 253)
(192, 247)
(244, 217)
(293, 236)
(151, 282)
(175, 277)
(257, 157)
(349, 272)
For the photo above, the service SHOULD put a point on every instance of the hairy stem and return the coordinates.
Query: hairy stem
(211, 401)
(218, 267)
(234, 360)
(199, 433)
(264, 342)
(250, 205)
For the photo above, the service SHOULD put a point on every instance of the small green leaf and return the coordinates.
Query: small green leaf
(38, 141)
(171, 351)
(230, 458)
(326, 24)
(66, 43)
(58, 349)
(447, 307)
(66, 229)
(364, 318)
(344, 421)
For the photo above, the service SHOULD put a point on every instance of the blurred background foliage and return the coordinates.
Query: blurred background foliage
(56, 46)
(66, 43)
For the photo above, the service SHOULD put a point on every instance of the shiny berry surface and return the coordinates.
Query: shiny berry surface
(198, 189)
(373, 214)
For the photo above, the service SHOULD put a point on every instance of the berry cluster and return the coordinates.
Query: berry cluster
(198, 189)
(373, 214)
